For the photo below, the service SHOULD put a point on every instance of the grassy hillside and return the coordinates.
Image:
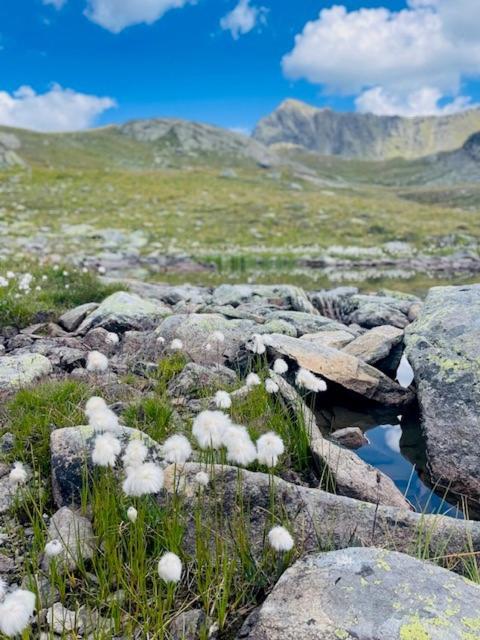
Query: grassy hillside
(208, 196)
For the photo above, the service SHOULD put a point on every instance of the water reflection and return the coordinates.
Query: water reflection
(395, 446)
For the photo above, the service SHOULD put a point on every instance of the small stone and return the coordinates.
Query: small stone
(62, 620)
(75, 533)
(350, 437)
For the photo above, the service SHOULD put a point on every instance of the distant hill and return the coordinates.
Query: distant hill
(140, 144)
(365, 136)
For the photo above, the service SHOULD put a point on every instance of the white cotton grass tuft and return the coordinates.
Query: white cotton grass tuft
(280, 539)
(222, 400)
(240, 448)
(253, 380)
(280, 366)
(94, 404)
(170, 567)
(145, 479)
(176, 345)
(132, 514)
(112, 338)
(309, 381)
(15, 612)
(18, 475)
(218, 337)
(177, 449)
(208, 428)
(271, 386)
(202, 479)
(269, 448)
(256, 344)
(53, 548)
(104, 420)
(135, 453)
(106, 450)
(97, 362)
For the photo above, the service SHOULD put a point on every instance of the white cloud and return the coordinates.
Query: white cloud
(401, 60)
(116, 15)
(243, 18)
(423, 102)
(58, 4)
(57, 110)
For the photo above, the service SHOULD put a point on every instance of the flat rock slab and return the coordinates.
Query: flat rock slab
(334, 339)
(317, 519)
(343, 369)
(370, 594)
(375, 345)
(443, 348)
(71, 451)
(72, 318)
(124, 311)
(23, 369)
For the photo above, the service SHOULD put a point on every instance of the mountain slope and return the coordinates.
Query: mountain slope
(141, 144)
(366, 136)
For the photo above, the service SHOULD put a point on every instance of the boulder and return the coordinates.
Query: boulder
(72, 318)
(286, 296)
(350, 437)
(307, 322)
(370, 594)
(341, 368)
(124, 311)
(334, 339)
(72, 447)
(75, 534)
(316, 518)
(22, 369)
(372, 311)
(196, 378)
(196, 333)
(375, 345)
(443, 348)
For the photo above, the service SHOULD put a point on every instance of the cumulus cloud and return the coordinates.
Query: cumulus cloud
(243, 18)
(116, 15)
(56, 110)
(423, 102)
(403, 61)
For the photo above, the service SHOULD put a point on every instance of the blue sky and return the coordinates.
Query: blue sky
(196, 62)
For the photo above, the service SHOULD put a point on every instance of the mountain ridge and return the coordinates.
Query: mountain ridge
(366, 136)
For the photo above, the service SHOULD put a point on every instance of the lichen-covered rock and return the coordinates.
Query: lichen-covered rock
(124, 311)
(196, 331)
(286, 296)
(370, 594)
(22, 369)
(341, 368)
(75, 534)
(196, 378)
(372, 311)
(72, 318)
(71, 451)
(443, 348)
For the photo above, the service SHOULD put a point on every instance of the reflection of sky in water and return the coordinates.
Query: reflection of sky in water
(383, 452)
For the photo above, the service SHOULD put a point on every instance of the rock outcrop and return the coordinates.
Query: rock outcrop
(443, 348)
(369, 594)
(364, 135)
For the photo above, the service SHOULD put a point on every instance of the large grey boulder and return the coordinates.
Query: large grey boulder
(195, 379)
(370, 594)
(372, 311)
(251, 501)
(71, 452)
(72, 318)
(22, 369)
(343, 369)
(196, 331)
(443, 348)
(286, 296)
(124, 311)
